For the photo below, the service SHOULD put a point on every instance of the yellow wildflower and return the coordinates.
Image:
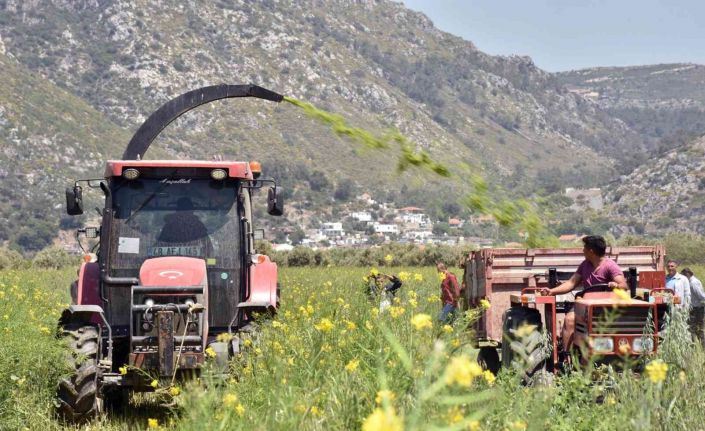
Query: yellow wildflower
(230, 400)
(276, 324)
(524, 330)
(433, 298)
(518, 425)
(210, 352)
(447, 329)
(352, 365)
(247, 342)
(485, 304)
(388, 258)
(383, 420)
(350, 325)
(123, 370)
(455, 415)
(224, 337)
(374, 272)
(656, 371)
(455, 343)
(152, 423)
(404, 276)
(240, 409)
(316, 411)
(385, 395)
(396, 311)
(45, 330)
(325, 325)
(290, 361)
(368, 325)
(474, 426)
(413, 303)
(441, 276)
(610, 401)
(418, 277)
(174, 391)
(489, 377)
(154, 384)
(622, 295)
(462, 371)
(422, 321)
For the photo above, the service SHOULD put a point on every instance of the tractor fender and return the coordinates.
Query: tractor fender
(263, 286)
(82, 314)
(88, 289)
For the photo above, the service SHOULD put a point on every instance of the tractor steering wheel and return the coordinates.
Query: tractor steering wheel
(600, 287)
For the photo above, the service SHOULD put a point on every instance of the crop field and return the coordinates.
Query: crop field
(331, 361)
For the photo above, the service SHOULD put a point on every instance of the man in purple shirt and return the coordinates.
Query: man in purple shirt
(595, 269)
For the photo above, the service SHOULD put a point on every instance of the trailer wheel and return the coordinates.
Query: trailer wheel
(525, 352)
(77, 394)
(488, 358)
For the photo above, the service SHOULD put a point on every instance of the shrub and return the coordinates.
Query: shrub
(10, 259)
(53, 257)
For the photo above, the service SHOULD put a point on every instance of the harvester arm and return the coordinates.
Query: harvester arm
(177, 106)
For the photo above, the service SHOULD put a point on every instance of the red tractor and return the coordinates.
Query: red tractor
(607, 327)
(176, 266)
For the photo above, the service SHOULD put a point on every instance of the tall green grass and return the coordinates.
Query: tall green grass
(322, 362)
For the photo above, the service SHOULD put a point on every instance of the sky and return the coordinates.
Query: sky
(574, 34)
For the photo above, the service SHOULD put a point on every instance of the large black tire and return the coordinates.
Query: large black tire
(78, 394)
(488, 358)
(525, 353)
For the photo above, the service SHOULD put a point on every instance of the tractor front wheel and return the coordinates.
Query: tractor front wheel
(78, 394)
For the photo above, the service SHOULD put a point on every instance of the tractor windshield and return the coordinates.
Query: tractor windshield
(174, 217)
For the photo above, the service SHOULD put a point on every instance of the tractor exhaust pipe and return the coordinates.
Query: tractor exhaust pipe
(179, 105)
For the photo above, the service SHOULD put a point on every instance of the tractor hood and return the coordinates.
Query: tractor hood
(173, 271)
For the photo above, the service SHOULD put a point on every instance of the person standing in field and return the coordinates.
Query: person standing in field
(679, 283)
(450, 293)
(696, 319)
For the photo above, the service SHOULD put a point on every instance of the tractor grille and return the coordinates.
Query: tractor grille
(621, 320)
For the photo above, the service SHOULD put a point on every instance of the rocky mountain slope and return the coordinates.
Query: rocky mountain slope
(375, 62)
(665, 103)
(666, 194)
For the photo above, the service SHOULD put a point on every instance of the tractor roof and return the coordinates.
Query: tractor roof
(242, 170)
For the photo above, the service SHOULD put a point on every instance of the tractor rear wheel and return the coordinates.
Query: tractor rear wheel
(78, 394)
(523, 347)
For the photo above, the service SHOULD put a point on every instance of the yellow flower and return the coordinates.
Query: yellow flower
(455, 343)
(524, 330)
(485, 304)
(441, 276)
(154, 384)
(622, 295)
(404, 276)
(383, 420)
(447, 329)
(433, 298)
(395, 311)
(489, 377)
(656, 371)
(455, 415)
(462, 371)
(325, 325)
(224, 337)
(290, 361)
(352, 365)
(610, 400)
(374, 272)
(418, 277)
(230, 400)
(152, 423)
(240, 409)
(316, 411)
(247, 342)
(368, 325)
(388, 258)
(413, 303)
(350, 325)
(422, 321)
(210, 352)
(123, 370)
(385, 395)
(474, 426)
(518, 425)
(174, 391)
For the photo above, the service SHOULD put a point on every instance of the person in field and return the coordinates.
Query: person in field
(595, 269)
(450, 293)
(382, 287)
(696, 320)
(679, 283)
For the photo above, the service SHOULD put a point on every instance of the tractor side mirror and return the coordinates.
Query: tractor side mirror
(275, 203)
(74, 201)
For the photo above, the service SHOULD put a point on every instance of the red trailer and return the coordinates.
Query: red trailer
(510, 279)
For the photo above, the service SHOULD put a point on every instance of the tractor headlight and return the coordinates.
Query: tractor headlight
(643, 345)
(149, 302)
(602, 344)
(131, 174)
(218, 174)
(148, 314)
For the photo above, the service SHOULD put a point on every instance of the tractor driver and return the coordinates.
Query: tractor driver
(184, 227)
(595, 269)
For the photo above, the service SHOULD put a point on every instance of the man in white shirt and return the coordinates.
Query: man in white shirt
(696, 320)
(679, 283)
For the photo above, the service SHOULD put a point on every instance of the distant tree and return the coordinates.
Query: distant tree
(297, 236)
(343, 190)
